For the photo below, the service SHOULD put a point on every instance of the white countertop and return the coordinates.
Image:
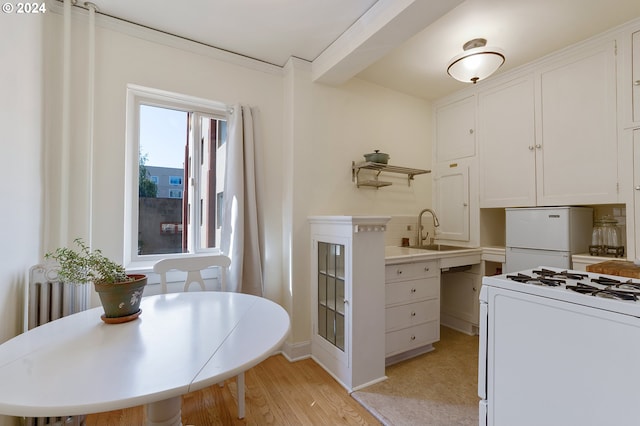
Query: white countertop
(395, 254)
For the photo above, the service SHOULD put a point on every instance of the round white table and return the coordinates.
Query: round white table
(181, 342)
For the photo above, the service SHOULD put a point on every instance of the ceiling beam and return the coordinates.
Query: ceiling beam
(386, 25)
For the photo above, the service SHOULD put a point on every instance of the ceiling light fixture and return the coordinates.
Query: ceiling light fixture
(477, 62)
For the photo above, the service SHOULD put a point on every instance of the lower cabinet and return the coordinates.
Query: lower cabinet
(460, 291)
(347, 296)
(412, 309)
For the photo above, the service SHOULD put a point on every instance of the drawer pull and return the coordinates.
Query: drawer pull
(399, 271)
(426, 269)
(413, 290)
(413, 314)
(413, 338)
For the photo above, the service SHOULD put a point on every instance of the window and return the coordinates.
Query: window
(176, 150)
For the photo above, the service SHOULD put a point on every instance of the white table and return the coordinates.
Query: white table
(180, 343)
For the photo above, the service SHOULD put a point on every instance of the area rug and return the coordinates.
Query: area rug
(436, 389)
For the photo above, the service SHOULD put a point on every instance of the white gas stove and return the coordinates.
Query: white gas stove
(612, 293)
(559, 347)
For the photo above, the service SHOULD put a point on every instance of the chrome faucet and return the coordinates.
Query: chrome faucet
(435, 225)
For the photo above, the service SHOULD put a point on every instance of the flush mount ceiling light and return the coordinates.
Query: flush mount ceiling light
(477, 62)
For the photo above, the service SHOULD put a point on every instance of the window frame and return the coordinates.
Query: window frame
(137, 96)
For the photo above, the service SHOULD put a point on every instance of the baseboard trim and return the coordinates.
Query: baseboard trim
(296, 351)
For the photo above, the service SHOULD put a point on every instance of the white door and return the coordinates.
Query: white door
(452, 201)
(636, 186)
(455, 130)
(542, 368)
(636, 77)
(506, 145)
(577, 162)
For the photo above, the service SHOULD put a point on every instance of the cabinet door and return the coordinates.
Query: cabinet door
(459, 295)
(636, 76)
(452, 201)
(330, 316)
(578, 159)
(636, 187)
(455, 130)
(506, 140)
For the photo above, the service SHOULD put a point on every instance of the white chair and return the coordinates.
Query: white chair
(193, 267)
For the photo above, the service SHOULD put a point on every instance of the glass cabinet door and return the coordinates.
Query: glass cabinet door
(331, 293)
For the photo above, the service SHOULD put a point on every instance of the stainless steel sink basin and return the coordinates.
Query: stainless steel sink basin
(437, 247)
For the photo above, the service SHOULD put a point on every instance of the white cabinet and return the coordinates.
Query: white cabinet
(636, 187)
(551, 139)
(455, 130)
(412, 309)
(459, 306)
(451, 191)
(635, 76)
(347, 297)
(507, 146)
(578, 158)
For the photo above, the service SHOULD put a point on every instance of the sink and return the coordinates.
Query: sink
(438, 247)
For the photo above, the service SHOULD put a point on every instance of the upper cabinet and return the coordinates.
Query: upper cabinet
(550, 138)
(456, 129)
(577, 130)
(507, 145)
(635, 71)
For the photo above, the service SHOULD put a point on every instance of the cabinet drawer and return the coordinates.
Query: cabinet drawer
(412, 337)
(411, 314)
(411, 291)
(407, 271)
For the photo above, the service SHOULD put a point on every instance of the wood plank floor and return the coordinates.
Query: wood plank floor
(278, 392)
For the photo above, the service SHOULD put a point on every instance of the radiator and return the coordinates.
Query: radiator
(48, 299)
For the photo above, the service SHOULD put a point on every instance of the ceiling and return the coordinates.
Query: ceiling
(401, 44)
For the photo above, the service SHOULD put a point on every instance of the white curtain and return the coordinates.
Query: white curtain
(240, 238)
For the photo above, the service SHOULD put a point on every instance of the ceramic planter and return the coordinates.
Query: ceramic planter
(121, 301)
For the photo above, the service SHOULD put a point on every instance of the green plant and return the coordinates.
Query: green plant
(87, 266)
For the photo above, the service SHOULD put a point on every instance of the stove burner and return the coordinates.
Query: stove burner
(526, 279)
(583, 288)
(565, 274)
(627, 285)
(613, 288)
(616, 294)
(607, 292)
(605, 281)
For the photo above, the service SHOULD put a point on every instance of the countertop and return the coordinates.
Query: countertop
(394, 255)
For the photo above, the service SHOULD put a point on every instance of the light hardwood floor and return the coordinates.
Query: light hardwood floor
(278, 392)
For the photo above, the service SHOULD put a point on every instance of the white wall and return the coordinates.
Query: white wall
(328, 128)
(310, 135)
(21, 139)
(124, 56)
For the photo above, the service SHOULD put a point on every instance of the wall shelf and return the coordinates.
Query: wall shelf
(379, 168)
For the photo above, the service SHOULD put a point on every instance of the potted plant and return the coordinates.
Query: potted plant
(120, 293)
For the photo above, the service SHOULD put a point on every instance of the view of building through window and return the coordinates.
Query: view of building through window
(180, 182)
